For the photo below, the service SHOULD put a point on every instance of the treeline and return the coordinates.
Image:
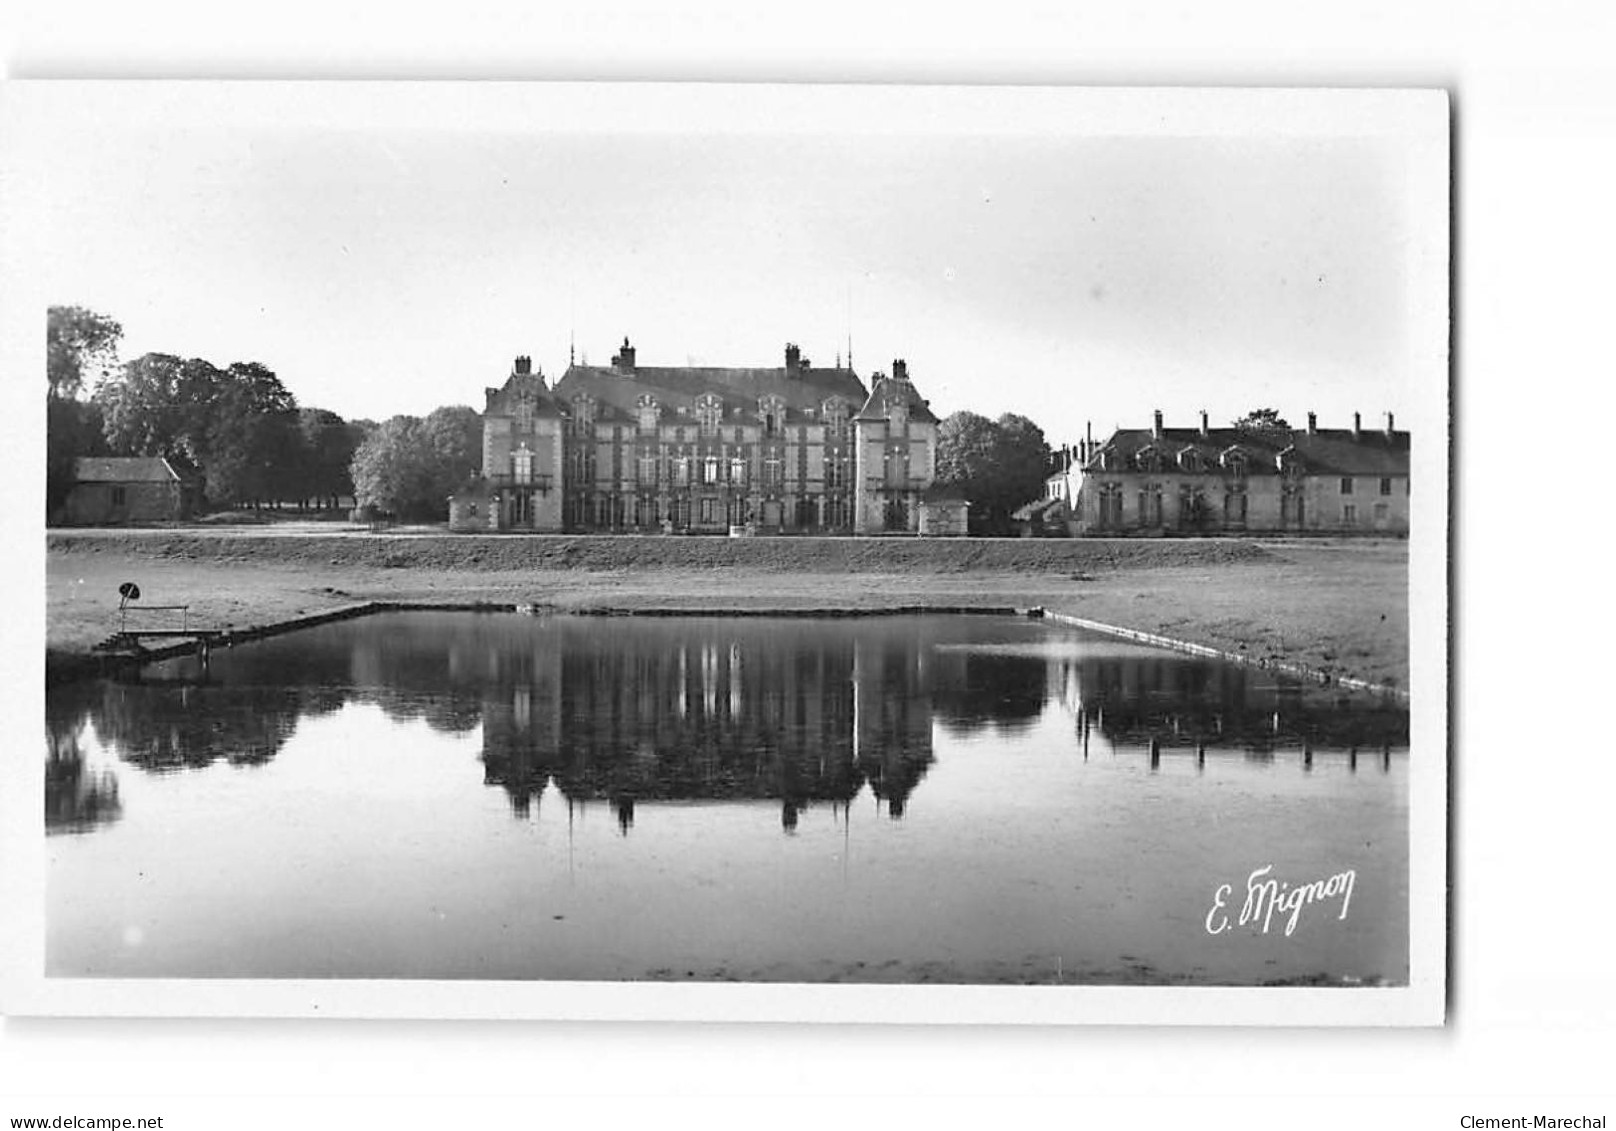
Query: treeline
(240, 430)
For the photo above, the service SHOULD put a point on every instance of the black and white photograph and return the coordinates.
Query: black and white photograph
(734, 552)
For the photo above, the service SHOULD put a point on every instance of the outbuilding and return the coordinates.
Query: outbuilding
(127, 490)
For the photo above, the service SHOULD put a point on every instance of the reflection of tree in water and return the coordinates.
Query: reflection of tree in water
(1181, 701)
(77, 798)
(168, 728)
(977, 688)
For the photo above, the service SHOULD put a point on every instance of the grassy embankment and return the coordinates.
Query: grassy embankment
(1336, 606)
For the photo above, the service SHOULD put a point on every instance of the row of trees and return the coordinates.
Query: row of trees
(241, 429)
(238, 427)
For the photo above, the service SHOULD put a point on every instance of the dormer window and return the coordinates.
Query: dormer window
(647, 409)
(1234, 460)
(1286, 462)
(1147, 458)
(709, 410)
(583, 413)
(835, 411)
(772, 411)
(898, 412)
(1190, 460)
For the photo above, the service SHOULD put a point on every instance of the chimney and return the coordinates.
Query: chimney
(793, 359)
(1390, 431)
(623, 360)
(900, 369)
(1156, 430)
(1206, 429)
(1357, 426)
(523, 366)
(1312, 424)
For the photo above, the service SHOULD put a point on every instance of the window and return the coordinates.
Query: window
(120, 496)
(648, 471)
(737, 471)
(1385, 485)
(472, 510)
(709, 510)
(1349, 515)
(1382, 514)
(681, 472)
(772, 474)
(709, 470)
(648, 413)
(708, 411)
(1346, 484)
(522, 465)
(835, 472)
(897, 463)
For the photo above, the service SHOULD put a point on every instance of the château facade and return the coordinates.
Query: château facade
(701, 449)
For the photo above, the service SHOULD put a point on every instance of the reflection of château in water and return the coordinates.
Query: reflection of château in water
(710, 711)
(630, 711)
(1166, 700)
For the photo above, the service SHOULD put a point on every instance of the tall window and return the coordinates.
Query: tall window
(737, 471)
(1385, 486)
(897, 463)
(709, 510)
(709, 470)
(1346, 484)
(522, 465)
(773, 477)
(648, 471)
(681, 471)
(1349, 514)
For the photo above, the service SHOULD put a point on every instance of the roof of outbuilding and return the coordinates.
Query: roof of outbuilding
(124, 469)
(1326, 451)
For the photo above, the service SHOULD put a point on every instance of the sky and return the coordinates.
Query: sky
(1083, 278)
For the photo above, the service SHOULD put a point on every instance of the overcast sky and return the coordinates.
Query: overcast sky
(1071, 277)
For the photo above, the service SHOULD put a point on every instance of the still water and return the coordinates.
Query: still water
(950, 799)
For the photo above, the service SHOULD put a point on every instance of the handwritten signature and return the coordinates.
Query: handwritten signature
(1266, 895)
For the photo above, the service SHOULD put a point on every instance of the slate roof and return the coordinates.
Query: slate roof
(889, 389)
(124, 469)
(502, 401)
(616, 392)
(1328, 451)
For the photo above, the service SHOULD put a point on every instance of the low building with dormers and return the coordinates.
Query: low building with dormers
(1161, 480)
(703, 449)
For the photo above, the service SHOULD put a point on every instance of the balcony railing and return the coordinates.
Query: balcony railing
(539, 482)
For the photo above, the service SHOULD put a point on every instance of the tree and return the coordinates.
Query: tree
(392, 469)
(254, 447)
(328, 444)
(77, 342)
(161, 406)
(1262, 420)
(455, 436)
(999, 464)
(409, 467)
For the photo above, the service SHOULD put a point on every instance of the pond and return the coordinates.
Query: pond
(891, 799)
